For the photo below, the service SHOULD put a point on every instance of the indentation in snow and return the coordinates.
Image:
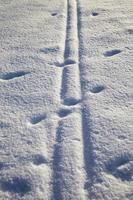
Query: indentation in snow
(130, 31)
(54, 14)
(97, 89)
(38, 159)
(69, 62)
(64, 112)
(121, 167)
(112, 52)
(16, 185)
(71, 101)
(37, 118)
(12, 75)
(94, 14)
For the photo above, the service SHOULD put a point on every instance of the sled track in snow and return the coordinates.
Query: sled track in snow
(73, 174)
(86, 131)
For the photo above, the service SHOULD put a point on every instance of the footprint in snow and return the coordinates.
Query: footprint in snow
(112, 52)
(12, 75)
(94, 14)
(54, 14)
(38, 159)
(97, 89)
(64, 112)
(37, 119)
(17, 185)
(130, 31)
(121, 167)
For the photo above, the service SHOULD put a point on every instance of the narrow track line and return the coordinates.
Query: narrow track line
(86, 130)
(71, 91)
(68, 158)
(71, 41)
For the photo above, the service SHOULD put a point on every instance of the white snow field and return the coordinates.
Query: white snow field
(66, 99)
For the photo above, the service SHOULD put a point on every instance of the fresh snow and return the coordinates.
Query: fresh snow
(66, 100)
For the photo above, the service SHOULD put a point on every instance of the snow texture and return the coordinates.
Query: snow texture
(66, 100)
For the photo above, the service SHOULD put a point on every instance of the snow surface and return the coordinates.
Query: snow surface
(66, 100)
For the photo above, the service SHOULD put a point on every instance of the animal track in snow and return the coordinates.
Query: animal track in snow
(69, 62)
(97, 89)
(37, 119)
(112, 52)
(71, 101)
(65, 63)
(38, 159)
(122, 168)
(94, 14)
(4, 125)
(64, 112)
(12, 75)
(54, 14)
(130, 31)
(16, 185)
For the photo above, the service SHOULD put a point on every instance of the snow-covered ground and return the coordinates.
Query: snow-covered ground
(66, 100)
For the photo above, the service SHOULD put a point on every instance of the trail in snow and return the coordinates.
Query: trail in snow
(67, 159)
(65, 121)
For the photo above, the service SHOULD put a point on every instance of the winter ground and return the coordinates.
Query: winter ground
(66, 100)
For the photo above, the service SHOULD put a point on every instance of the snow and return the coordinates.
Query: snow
(66, 100)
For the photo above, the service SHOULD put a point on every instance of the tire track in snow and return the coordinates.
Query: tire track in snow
(68, 157)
